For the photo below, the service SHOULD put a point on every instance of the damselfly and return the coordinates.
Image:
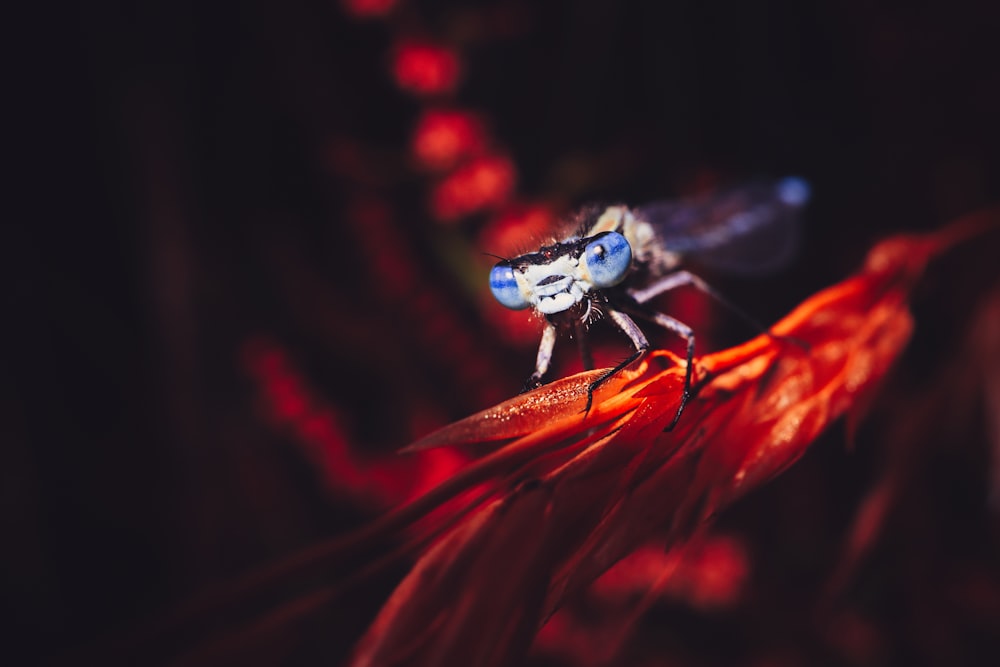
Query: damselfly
(619, 258)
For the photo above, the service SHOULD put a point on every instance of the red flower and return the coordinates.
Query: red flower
(559, 496)
(425, 69)
(364, 9)
(442, 138)
(574, 493)
(480, 184)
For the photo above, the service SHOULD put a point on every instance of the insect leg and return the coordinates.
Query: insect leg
(634, 333)
(580, 331)
(669, 282)
(543, 359)
(682, 278)
(685, 332)
(626, 302)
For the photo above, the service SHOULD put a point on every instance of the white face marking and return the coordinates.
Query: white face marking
(557, 303)
(556, 295)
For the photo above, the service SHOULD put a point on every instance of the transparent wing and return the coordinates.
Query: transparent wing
(750, 229)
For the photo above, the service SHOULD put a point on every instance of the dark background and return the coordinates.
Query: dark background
(185, 198)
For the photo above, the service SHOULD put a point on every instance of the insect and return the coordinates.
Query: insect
(620, 258)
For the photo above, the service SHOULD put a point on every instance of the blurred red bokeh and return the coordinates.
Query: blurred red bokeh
(443, 137)
(257, 264)
(423, 68)
(480, 184)
(366, 9)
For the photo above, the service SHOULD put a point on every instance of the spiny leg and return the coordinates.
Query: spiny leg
(684, 278)
(634, 333)
(624, 301)
(685, 332)
(543, 359)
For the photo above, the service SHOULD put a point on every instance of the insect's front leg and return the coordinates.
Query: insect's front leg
(630, 305)
(685, 332)
(544, 358)
(634, 333)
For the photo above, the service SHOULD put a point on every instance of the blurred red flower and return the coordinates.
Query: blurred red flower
(483, 183)
(517, 228)
(368, 8)
(443, 137)
(707, 575)
(316, 428)
(425, 69)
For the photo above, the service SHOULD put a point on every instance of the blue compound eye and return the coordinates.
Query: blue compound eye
(504, 287)
(608, 258)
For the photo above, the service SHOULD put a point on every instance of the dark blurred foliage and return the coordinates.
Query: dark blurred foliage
(230, 265)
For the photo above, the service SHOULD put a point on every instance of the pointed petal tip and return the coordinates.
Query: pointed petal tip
(514, 417)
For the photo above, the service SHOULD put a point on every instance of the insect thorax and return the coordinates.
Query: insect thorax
(648, 253)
